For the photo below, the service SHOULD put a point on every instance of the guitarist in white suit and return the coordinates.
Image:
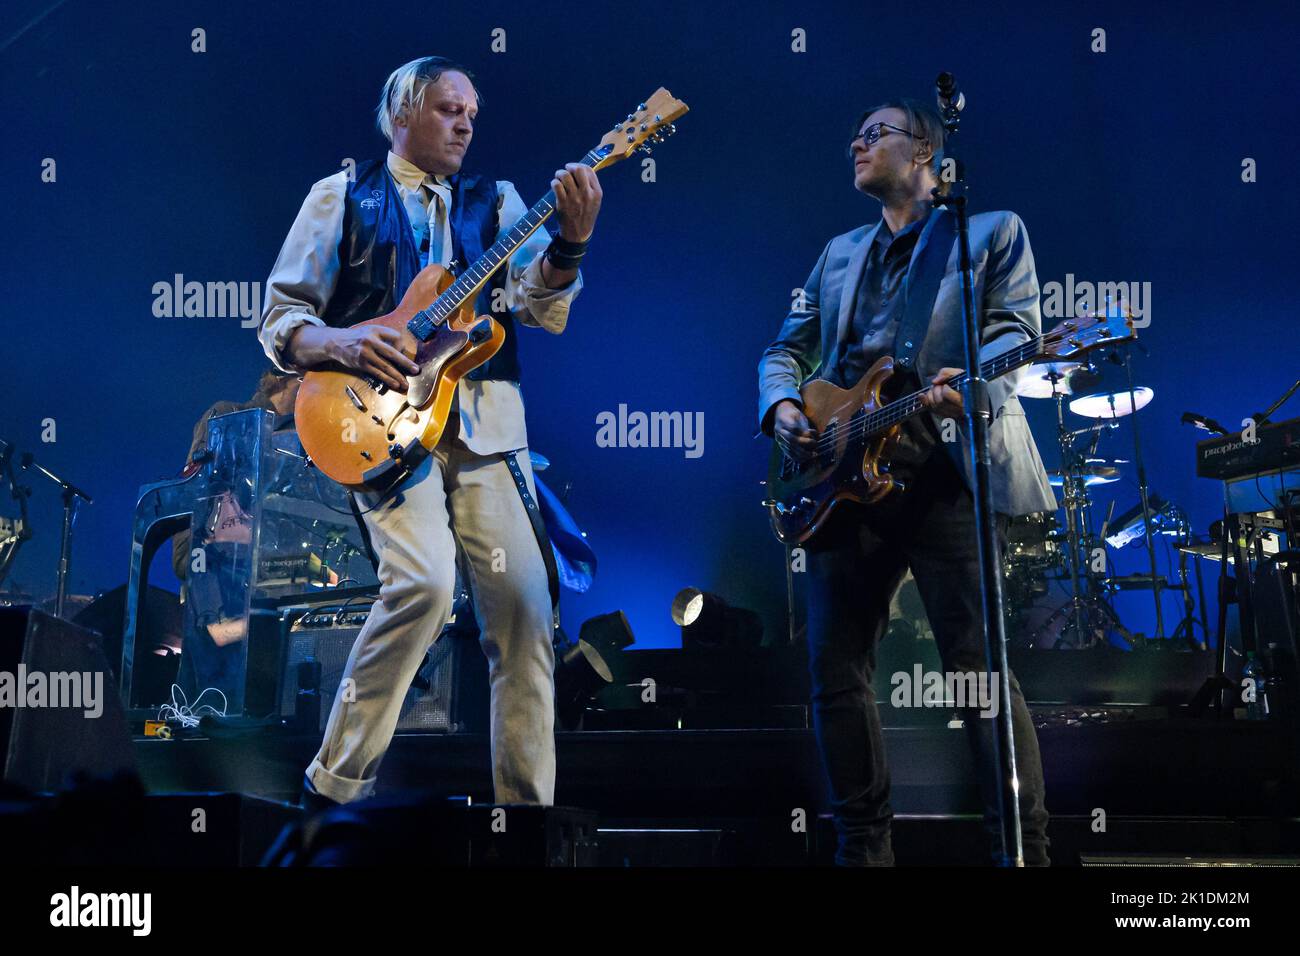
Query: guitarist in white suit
(856, 310)
(352, 252)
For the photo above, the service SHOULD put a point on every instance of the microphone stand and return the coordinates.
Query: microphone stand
(1262, 418)
(70, 495)
(978, 419)
(22, 530)
(1143, 490)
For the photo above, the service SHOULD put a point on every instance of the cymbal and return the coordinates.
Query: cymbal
(1111, 404)
(1037, 383)
(1056, 481)
(1095, 473)
(538, 460)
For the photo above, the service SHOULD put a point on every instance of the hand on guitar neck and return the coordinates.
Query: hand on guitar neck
(835, 444)
(386, 353)
(941, 398)
(377, 396)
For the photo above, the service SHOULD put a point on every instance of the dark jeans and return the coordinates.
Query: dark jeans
(855, 565)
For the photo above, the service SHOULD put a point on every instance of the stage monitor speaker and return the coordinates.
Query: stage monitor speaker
(449, 694)
(59, 706)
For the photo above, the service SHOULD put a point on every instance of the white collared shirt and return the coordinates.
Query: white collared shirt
(307, 271)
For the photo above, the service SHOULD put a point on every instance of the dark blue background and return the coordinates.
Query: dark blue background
(1124, 166)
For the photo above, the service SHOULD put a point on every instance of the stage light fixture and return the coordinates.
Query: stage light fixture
(707, 620)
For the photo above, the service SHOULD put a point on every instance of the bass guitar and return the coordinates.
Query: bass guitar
(856, 432)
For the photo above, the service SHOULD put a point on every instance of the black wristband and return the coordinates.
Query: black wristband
(563, 254)
(566, 248)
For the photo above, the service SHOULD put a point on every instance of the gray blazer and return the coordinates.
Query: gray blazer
(1006, 288)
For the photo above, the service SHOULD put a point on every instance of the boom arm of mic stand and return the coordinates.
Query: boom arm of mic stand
(1263, 419)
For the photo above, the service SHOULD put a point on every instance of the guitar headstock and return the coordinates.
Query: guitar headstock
(649, 123)
(1078, 336)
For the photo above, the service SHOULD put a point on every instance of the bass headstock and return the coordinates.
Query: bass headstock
(1078, 336)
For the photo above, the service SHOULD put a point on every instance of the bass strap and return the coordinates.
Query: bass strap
(923, 282)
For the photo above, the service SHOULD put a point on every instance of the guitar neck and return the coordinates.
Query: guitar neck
(469, 282)
(909, 405)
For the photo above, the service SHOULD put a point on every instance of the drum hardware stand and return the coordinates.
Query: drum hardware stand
(951, 103)
(1127, 362)
(1086, 608)
(1235, 542)
(1103, 603)
(70, 495)
(1187, 626)
(1077, 621)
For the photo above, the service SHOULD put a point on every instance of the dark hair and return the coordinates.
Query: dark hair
(269, 385)
(924, 122)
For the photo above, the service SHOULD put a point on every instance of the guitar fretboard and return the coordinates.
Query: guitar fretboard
(424, 323)
(909, 405)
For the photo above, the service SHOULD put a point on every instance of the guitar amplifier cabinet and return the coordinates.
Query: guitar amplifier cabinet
(448, 695)
(63, 714)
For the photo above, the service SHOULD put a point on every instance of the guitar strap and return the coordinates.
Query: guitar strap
(539, 528)
(923, 286)
(365, 532)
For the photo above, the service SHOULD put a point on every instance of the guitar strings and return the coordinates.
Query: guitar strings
(424, 322)
(909, 405)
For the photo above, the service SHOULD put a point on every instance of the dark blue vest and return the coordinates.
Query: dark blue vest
(378, 259)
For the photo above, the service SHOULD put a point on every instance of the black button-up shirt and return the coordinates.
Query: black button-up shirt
(880, 302)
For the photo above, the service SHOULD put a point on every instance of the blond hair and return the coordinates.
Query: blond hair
(405, 88)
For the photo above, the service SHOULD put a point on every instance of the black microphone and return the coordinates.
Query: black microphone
(946, 92)
(1202, 421)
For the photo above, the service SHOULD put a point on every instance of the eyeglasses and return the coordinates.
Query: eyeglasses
(871, 135)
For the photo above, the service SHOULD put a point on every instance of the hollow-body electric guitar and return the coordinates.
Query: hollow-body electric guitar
(368, 437)
(856, 433)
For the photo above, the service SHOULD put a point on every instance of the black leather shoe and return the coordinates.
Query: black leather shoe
(867, 849)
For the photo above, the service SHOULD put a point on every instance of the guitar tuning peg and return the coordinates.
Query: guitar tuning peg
(640, 107)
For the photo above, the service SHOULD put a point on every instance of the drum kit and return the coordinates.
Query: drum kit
(1046, 557)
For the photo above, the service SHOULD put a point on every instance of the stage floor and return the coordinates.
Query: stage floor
(1158, 784)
